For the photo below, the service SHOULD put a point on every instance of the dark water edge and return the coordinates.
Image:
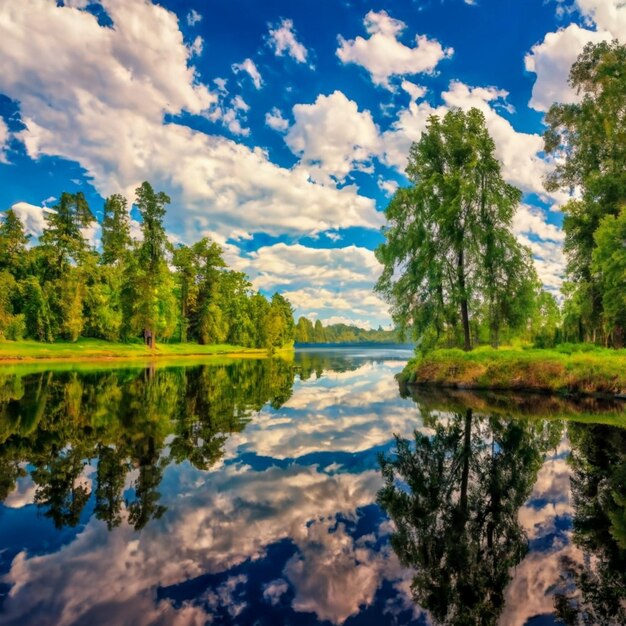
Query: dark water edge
(252, 492)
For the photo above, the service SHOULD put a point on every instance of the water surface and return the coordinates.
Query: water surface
(275, 492)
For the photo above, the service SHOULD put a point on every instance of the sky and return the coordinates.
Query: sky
(281, 129)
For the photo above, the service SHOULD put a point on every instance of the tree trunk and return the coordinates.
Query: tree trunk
(467, 451)
(464, 309)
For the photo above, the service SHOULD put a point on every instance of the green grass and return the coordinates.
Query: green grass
(563, 370)
(95, 349)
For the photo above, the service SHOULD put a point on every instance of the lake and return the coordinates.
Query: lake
(274, 491)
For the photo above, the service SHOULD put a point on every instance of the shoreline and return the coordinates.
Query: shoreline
(29, 352)
(593, 373)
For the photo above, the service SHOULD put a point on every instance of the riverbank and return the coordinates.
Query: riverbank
(95, 349)
(595, 371)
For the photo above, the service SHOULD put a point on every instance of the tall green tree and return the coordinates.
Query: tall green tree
(62, 238)
(588, 142)
(13, 242)
(447, 234)
(116, 238)
(150, 300)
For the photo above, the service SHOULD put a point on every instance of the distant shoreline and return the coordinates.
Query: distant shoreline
(592, 372)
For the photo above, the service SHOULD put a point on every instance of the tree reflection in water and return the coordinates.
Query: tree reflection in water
(454, 498)
(129, 424)
(594, 591)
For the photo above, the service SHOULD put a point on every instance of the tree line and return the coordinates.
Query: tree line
(453, 271)
(64, 288)
(308, 332)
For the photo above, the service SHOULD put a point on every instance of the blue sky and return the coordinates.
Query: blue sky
(281, 129)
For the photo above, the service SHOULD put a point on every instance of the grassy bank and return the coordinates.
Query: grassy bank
(567, 370)
(95, 349)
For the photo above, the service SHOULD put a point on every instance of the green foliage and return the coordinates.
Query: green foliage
(588, 141)
(305, 332)
(37, 316)
(62, 240)
(13, 241)
(116, 238)
(449, 256)
(63, 290)
(609, 267)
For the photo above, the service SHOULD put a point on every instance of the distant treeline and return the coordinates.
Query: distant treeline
(65, 288)
(307, 332)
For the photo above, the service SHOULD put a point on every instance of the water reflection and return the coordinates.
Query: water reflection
(245, 492)
(454, 498)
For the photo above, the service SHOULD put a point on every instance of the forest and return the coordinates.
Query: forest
(308, 332)
(455, 274)
(128, 289)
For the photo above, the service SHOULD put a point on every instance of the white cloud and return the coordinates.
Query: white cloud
(384, 56)
(104, 109)
(275, 120)
(196, 47)
(545, 241)
(33, 217)
(4, 140)
(388, 186)
(193, 17)
(415, 91)
(332, 136)
(249, 67)
(283, 40)
(531, 220)
(551, 61)
(608, 15)
(320, 282)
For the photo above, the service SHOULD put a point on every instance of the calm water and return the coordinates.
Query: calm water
(272, 492)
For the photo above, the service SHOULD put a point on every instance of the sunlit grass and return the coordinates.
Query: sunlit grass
(570, 368)
(91, 349)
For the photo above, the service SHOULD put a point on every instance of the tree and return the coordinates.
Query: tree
(280, 324)
(447, 234)
(609, 267)
(186, 273)
(13, 242)
(586, 140)
(62, 238)
(546, 320)
(116, 238)
(36, 310)
(151, 287)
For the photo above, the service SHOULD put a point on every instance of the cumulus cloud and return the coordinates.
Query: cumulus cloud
(320, 282)
(607, 15)
(275, 120)
(551, 61)
(283, 40)
(384, 56)
(332, 137)
(33, 217)
(193, 17)
(249, 67)
(105, 107)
